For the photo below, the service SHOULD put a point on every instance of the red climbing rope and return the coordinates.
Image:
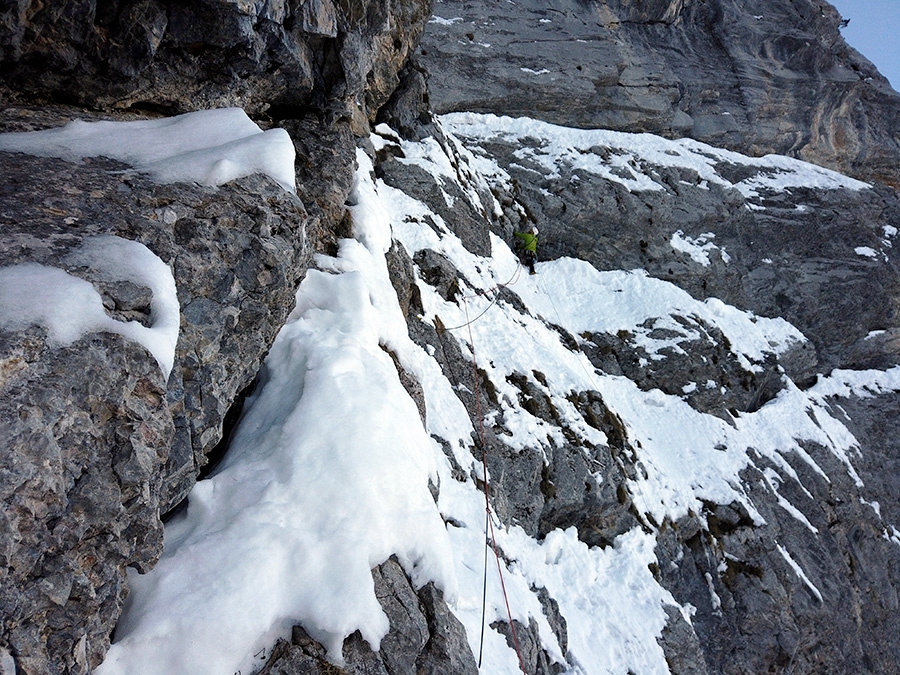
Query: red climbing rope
(489, 528)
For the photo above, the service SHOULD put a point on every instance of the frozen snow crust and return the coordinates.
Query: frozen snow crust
(329, 468)
(210, 147)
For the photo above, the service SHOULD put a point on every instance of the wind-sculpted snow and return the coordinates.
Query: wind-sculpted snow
(70, 307)
(631, 159)
(211, 147)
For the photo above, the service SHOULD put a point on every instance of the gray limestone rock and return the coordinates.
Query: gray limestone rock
(457, 212)
(526, 641)
(793, 254)
(757, 77)
(424, 637)
(96, 443)
(755, 613)
(277, 58)
(126, 447)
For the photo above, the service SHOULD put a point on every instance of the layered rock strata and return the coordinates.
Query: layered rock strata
(759, 77)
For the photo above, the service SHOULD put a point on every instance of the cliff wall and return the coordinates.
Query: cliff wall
(97, 443)
(757, 77)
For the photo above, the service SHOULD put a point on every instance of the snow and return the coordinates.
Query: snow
(773, 480)
(687, 457)
(441, 21)
(714, 600)
(859, 383)
(866, 251)
(573, 294)
(70, 307)
(328, 471)
(628, 154)
(210, 147)
(698, 248)
(795, 566)
(327, 476)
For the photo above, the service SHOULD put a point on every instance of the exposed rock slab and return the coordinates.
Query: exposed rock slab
(424, 637)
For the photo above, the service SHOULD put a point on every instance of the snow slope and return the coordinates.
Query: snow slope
(328, 472)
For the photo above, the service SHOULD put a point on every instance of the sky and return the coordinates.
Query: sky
(872, 31)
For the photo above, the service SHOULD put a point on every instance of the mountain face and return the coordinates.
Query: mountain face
(695, 400)
(724, 558)
(756, 77)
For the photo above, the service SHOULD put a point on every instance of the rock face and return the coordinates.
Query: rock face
(753, 612)
(779, 256)
(96, 444)
(425, 637)
(759, 77)
(277, 57)
(101, 443)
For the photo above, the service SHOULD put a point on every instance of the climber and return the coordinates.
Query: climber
(526, 247)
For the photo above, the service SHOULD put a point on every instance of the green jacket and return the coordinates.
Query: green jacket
(529, 241)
